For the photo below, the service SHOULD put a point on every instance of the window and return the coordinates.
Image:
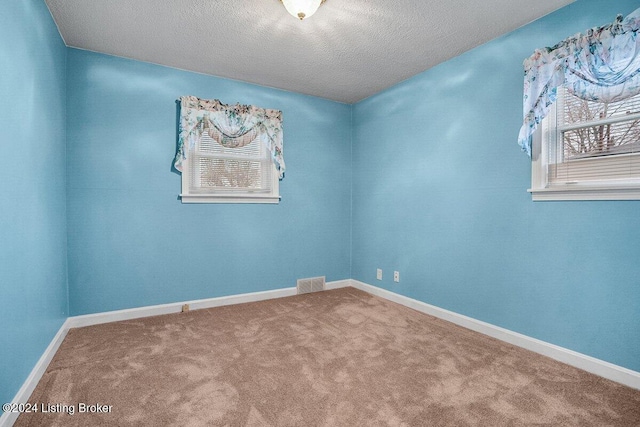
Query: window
(229, 153)
(587, 150)
(214, 173)
(585, 92)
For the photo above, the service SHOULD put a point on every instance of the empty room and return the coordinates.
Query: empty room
(320, 213)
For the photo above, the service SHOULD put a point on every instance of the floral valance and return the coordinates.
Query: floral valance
(231, 126)
(602, 65)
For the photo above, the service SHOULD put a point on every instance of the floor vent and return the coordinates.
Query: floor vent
(313, 284)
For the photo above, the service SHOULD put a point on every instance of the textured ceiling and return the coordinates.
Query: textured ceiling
(347, 51)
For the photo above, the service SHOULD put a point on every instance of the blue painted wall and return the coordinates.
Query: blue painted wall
(430, 166)
(439, 193)
(33, 259)
(133, 243)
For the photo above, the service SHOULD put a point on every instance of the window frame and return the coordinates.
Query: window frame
(231, 195)
(542, 190)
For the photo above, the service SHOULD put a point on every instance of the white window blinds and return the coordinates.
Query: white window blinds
(215, 168)
(594, 142)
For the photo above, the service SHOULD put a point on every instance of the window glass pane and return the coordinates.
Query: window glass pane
(602, 139)
(229, 173)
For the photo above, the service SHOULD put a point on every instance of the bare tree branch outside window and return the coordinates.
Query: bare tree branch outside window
(606, 139)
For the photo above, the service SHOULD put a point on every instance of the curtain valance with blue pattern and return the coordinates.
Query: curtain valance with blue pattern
(602, 65)
(232, 126)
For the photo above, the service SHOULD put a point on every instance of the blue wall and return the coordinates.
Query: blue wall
(33, 259)
(439, 193)
(133, 243)
(430, 166)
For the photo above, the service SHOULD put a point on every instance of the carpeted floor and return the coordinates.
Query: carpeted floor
(333, 358)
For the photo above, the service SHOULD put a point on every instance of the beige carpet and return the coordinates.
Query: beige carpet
(334, 358)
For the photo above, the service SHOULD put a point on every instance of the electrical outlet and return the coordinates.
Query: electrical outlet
(396, 276)
(185, 308)
(379, 274)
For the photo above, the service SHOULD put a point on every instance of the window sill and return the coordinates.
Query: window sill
(584, 193)
(208, 198)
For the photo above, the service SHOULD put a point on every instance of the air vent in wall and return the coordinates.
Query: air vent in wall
(313, 284)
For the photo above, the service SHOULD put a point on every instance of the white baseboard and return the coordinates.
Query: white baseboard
(9, 418)
(337, 284)
(176, 307)
(587, 363)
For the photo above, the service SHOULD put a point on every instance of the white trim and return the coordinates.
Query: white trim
(539, 152)
(22, 396)
(220, 198)
(176, 307)
(581, 361)
(592, 193)
(337, 284)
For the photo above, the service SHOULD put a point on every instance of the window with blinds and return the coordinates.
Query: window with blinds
(590, 150)
(230, 174)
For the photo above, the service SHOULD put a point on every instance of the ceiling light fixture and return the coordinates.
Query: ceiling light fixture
(302, 9)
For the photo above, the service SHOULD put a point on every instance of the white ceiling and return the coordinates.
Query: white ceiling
(347, 51)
